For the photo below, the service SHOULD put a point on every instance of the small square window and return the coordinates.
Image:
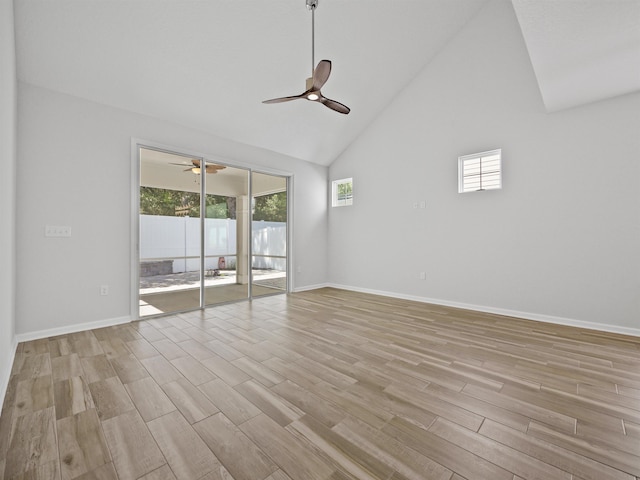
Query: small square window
(342, 192)
(480, 171)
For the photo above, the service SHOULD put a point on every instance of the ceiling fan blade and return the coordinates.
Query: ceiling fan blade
(283, 99)
(321, 74)
(333, 105)
(215, 168)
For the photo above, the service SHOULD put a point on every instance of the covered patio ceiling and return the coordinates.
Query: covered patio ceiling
(159, 169)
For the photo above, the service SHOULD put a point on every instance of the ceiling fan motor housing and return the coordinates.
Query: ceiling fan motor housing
(312, 4)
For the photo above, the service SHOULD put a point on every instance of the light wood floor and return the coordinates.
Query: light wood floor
(325, 385)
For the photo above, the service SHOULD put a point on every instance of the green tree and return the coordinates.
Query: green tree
(174, 203)
(271, 208)
(345, 190)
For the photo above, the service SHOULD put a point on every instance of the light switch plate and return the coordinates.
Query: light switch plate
(57, 231)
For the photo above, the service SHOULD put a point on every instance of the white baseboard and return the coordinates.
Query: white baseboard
(311, 287)
(6, 375)
(78, 327)
(501, 311)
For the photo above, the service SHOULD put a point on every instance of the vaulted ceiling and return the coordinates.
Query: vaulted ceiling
(582, 51)
(208, 64)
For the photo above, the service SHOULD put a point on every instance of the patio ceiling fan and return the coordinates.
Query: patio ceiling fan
(319, 75)
(195, 167)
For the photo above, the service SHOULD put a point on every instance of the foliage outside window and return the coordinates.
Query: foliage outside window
(175, 203)
(270, 208)
(342, 192)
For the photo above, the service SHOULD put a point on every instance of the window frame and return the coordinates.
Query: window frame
(335, 201)
(462, 160)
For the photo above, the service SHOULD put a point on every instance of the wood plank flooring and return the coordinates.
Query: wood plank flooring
(326, 385)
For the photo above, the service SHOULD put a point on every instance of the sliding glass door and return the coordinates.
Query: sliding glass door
(268, 234)
(169, 240)
(208, 233)
(226, 224)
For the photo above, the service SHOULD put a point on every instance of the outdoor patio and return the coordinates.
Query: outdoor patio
(181, 291)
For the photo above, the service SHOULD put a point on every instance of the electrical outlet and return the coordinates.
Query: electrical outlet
(423, 275)
(423, 204)
(104, 290)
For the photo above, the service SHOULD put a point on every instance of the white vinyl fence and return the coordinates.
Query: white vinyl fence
(178, 239)
(269, 245)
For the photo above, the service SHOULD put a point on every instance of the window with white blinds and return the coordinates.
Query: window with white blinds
(480, 171)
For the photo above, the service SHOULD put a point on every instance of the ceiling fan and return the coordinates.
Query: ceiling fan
(195, 167)
(319, 75)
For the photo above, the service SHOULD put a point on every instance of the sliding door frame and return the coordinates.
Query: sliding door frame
(136, 146)
(288, 185)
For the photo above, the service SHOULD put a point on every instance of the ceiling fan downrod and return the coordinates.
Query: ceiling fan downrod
(312, 5)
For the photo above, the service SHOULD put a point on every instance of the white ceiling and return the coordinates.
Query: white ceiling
(582, 51)
(208, 64)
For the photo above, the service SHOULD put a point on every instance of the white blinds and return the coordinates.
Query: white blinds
(480, 171)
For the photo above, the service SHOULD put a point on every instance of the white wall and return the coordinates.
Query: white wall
(74, 169)
(8, 98)
(559, 242)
